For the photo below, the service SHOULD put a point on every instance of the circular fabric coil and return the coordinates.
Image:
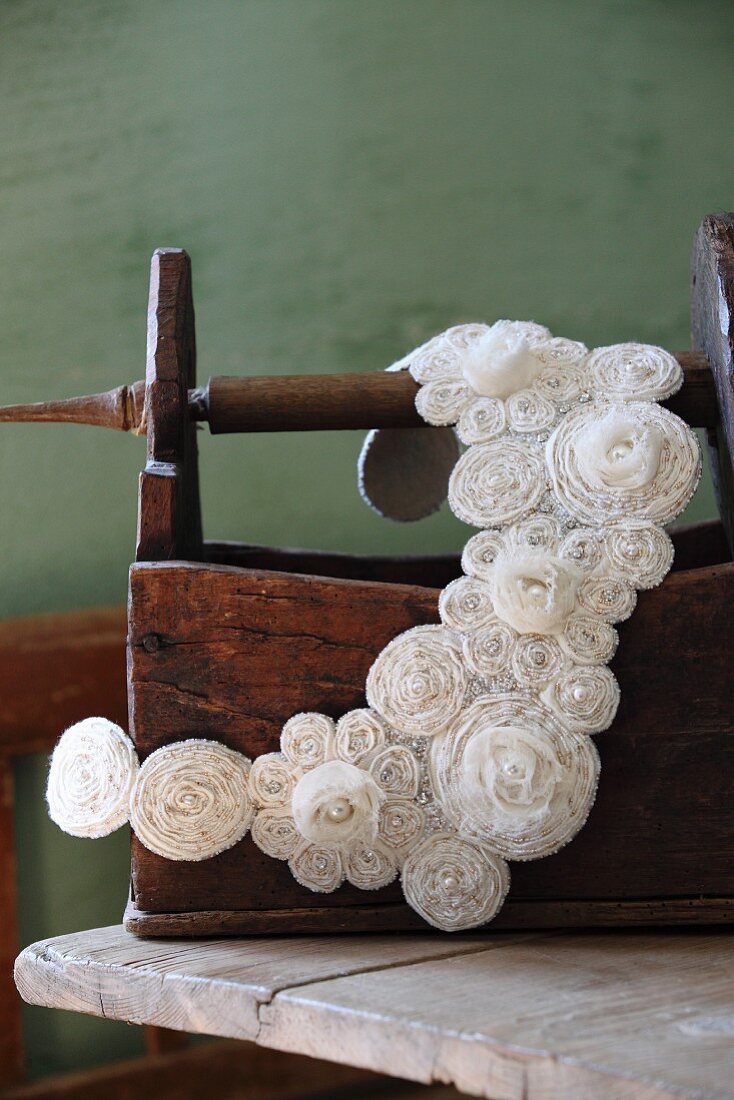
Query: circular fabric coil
(307, 739)
(562, 384)
(509, 775)
(537, 532)
(586, 698)
(370, 868)
(631, 460)
(589, 640)
(583, 548)
(482, 420)
(466, 604)
(610, 598)
(317, 867)
(487, 651)
(395, 770)
(274, 832)
(358, 733)
(528, 411)
(271, 780)
(91, 777)
(634, 372)
(453, 884)
(495, 483)
(417, 683)
(442, 402)
(536, 659)
(480, 552)
(402, 823)
(641, 552)
(557, 351)
(192, 800)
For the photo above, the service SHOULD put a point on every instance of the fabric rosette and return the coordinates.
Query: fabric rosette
(192, 800)
(487, 379)
(508, 775)
(454, 884)
(351, 815)
(630, 460)
(634, 372)
(535, 592)
(585, 698)
(91, 777)
(417, 683)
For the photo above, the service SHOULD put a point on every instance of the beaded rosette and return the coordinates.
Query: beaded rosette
(475, 747)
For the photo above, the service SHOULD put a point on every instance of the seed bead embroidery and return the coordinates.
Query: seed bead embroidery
(475, 746)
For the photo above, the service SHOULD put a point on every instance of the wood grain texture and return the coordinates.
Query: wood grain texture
(216, 659)
(517, 1017)
(57, 669)
(224, 1070)
(712, 327)
(169, 514)
(312, 402)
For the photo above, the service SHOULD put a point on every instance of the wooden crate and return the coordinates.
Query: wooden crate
(227, 641)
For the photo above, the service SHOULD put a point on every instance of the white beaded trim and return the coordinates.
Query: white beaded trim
(475, 746)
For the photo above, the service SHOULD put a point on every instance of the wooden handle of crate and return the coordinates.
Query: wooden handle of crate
(382, 399)
(311, 402)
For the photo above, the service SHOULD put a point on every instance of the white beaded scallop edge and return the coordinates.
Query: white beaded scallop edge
(474, 748)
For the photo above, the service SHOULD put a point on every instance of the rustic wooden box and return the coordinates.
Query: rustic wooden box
(227, 641)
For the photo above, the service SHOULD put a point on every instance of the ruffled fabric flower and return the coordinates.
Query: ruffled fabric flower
(337, 803)
(350, 816)
(454, 884)
(627, 461)
(487, 379)
(534, 592)
(192, 800)
(502, 361)
(510, 776)
(417, 683)
(93, 771)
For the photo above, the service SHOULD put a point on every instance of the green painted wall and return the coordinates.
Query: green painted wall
(349, 177)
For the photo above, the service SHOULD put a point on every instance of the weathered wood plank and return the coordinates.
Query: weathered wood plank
(212, 653)
(538, 913)
(544, 1017)
(169, 513)
(569, 1018)
(109, 972)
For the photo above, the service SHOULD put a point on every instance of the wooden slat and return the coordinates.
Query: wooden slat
(222, 1070)
(53, 974)
(544, 1017)
(11, 1038)
(57, 669)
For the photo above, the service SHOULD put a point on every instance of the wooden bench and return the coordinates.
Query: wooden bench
(511, 1016)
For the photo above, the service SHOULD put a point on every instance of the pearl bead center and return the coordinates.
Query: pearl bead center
(621, 451)
(339, 810)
